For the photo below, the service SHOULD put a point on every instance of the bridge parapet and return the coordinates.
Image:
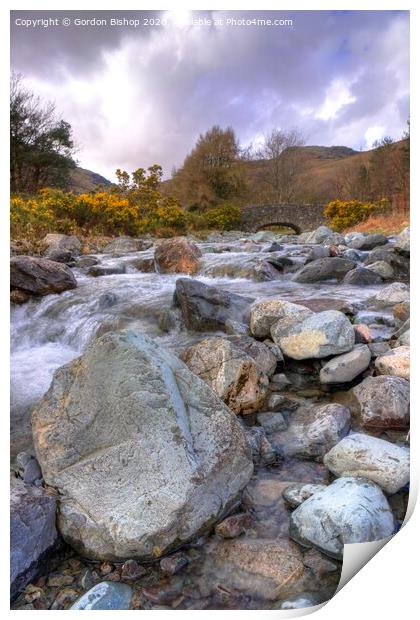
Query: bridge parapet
(298, 217)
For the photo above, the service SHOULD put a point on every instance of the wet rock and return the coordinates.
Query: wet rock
(262, 450)
(145, 265)
(312, 431)
(265, 569)
(265, 314)
(233, 526)
(346, 367)
(132, 571)
(395, 363)
(272, 421)
(164, 592)
(60, 256)
(383, 269)
(105, 595)
(404, 339)
(383, 403)
(264, 357)
(107, 300)
(324, 269)
(234, 328)
(323, 234)
(362, 241)
(319, 251)
(173, 563)
(394, 293)
(56, 241)
(355, 255)
(297, 493)
(318, 563)
(235, 376)
(17, 296)
(33, 535)
(125, 245)
(29, 469)
(320, 335)
(40, 276)
(106, 420)
(362, 277)
(402, 242)
(278, 382)
(64, 598)
(106, 270)
(323, 303)
(207, 308)
(362, 334)
(378, 348)
(401, 311)
(380, 461)
(87, 261)
(58, 581)
(350, 510)
(177, 255)
(274, 247)
(370, 317)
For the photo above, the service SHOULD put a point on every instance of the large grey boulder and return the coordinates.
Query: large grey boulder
(320, 335)
(350, 510)
(346, 367)
(323, 234)
(395, 362)
(383, 269)
(402, 242)
(324, 269)
(40, 276)
(313, 431)
(390, 295)
(207, 308)
(236, 377)
(57, 241)
(360, 276)
(360, 241)
(177, 255)
(143, 453)
(264, 314)
(380, 461)
(382, 403)
(33, 534)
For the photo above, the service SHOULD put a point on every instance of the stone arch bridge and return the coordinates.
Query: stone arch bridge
(300, 218)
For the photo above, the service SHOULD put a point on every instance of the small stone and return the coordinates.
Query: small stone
(362, 334)
(105, 568)
(132, 571)
(297, 493)
(301, 601)
(233, 526)
(395, 363)
(58, 581)
(163, 592)
(173, 563)
(105, 595)
(64, 598)
(87, 580)
(272, 421)
(318, 563)
(346, 367)
(17, 296)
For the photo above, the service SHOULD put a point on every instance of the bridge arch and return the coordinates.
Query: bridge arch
(297, 217)
(269, 225)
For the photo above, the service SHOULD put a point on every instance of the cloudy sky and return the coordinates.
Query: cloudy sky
(137, 95)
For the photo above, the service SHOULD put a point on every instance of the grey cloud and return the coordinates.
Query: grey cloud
(175, 84)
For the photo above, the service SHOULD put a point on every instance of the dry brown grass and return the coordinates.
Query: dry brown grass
(386, 224)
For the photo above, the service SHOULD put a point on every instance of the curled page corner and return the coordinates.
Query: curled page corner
(356, 556)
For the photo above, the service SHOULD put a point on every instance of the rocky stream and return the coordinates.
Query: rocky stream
(205, 424)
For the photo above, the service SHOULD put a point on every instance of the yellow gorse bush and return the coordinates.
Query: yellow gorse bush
(135, 206)
(343, 214)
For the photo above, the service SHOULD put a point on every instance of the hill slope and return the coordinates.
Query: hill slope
(83, 180)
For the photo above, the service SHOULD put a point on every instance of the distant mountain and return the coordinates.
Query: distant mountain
(83, 180)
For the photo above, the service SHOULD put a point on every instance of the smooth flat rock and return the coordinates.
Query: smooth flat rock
(105, 595)
(380, 461)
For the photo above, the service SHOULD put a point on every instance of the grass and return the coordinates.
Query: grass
(386, 224)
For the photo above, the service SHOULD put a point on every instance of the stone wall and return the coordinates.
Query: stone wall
(298, 217)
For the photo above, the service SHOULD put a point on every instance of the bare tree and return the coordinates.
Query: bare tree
(283, 162)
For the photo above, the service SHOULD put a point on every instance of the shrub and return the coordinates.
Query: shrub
(343, 214)
(224, 217)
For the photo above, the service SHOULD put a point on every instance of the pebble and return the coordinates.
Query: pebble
(132, 571)
(173, 563)
(234, 526)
